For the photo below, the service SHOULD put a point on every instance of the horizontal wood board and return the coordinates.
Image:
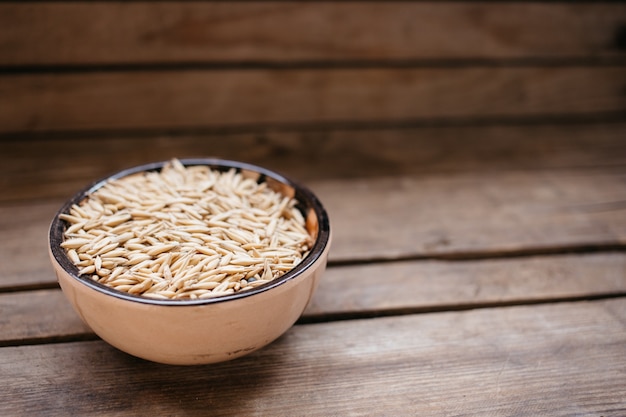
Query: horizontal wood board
(558, 360)
(475, 214)
(105, 33)
(445, 216)
(45, 316)
(58, 166)
(167, 99)
(423, 286)
(37, 317)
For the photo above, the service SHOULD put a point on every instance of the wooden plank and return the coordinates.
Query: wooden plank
(369, 290)
(447, 216)
(225, 98)
(63, 33)
(475, 214)
(33, 316)
(52, 167)
(561, 360)
(24, 253)
(434, 285)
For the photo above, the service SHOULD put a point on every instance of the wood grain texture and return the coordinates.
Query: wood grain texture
(36, 316)
(372, 290)
(421, 286)
(474, 214)
(52, 167)
(227, 98)
(471, 156)
(558, 360)
(446, 216)
(24, 253)
(78, 33)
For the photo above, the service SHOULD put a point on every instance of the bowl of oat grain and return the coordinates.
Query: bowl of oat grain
(191, 261)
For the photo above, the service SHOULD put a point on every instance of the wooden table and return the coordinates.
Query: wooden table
(472, 157)
(465, 290)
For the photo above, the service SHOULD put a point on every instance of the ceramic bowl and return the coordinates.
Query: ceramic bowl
(187, 332)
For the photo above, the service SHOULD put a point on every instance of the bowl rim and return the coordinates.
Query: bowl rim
(302, 194)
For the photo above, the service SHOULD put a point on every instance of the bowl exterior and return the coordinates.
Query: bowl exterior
(193, 333)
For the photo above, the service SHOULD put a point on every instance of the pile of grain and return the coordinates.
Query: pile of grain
(185, 233)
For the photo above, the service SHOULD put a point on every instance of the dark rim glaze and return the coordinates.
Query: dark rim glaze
(306, 200)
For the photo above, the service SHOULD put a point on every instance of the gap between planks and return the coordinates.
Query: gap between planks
(157, 66)
(599, 247)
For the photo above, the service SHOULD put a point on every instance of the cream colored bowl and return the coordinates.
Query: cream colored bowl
(187, 332)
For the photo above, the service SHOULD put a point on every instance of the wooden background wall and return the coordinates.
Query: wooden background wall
(82, 82)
